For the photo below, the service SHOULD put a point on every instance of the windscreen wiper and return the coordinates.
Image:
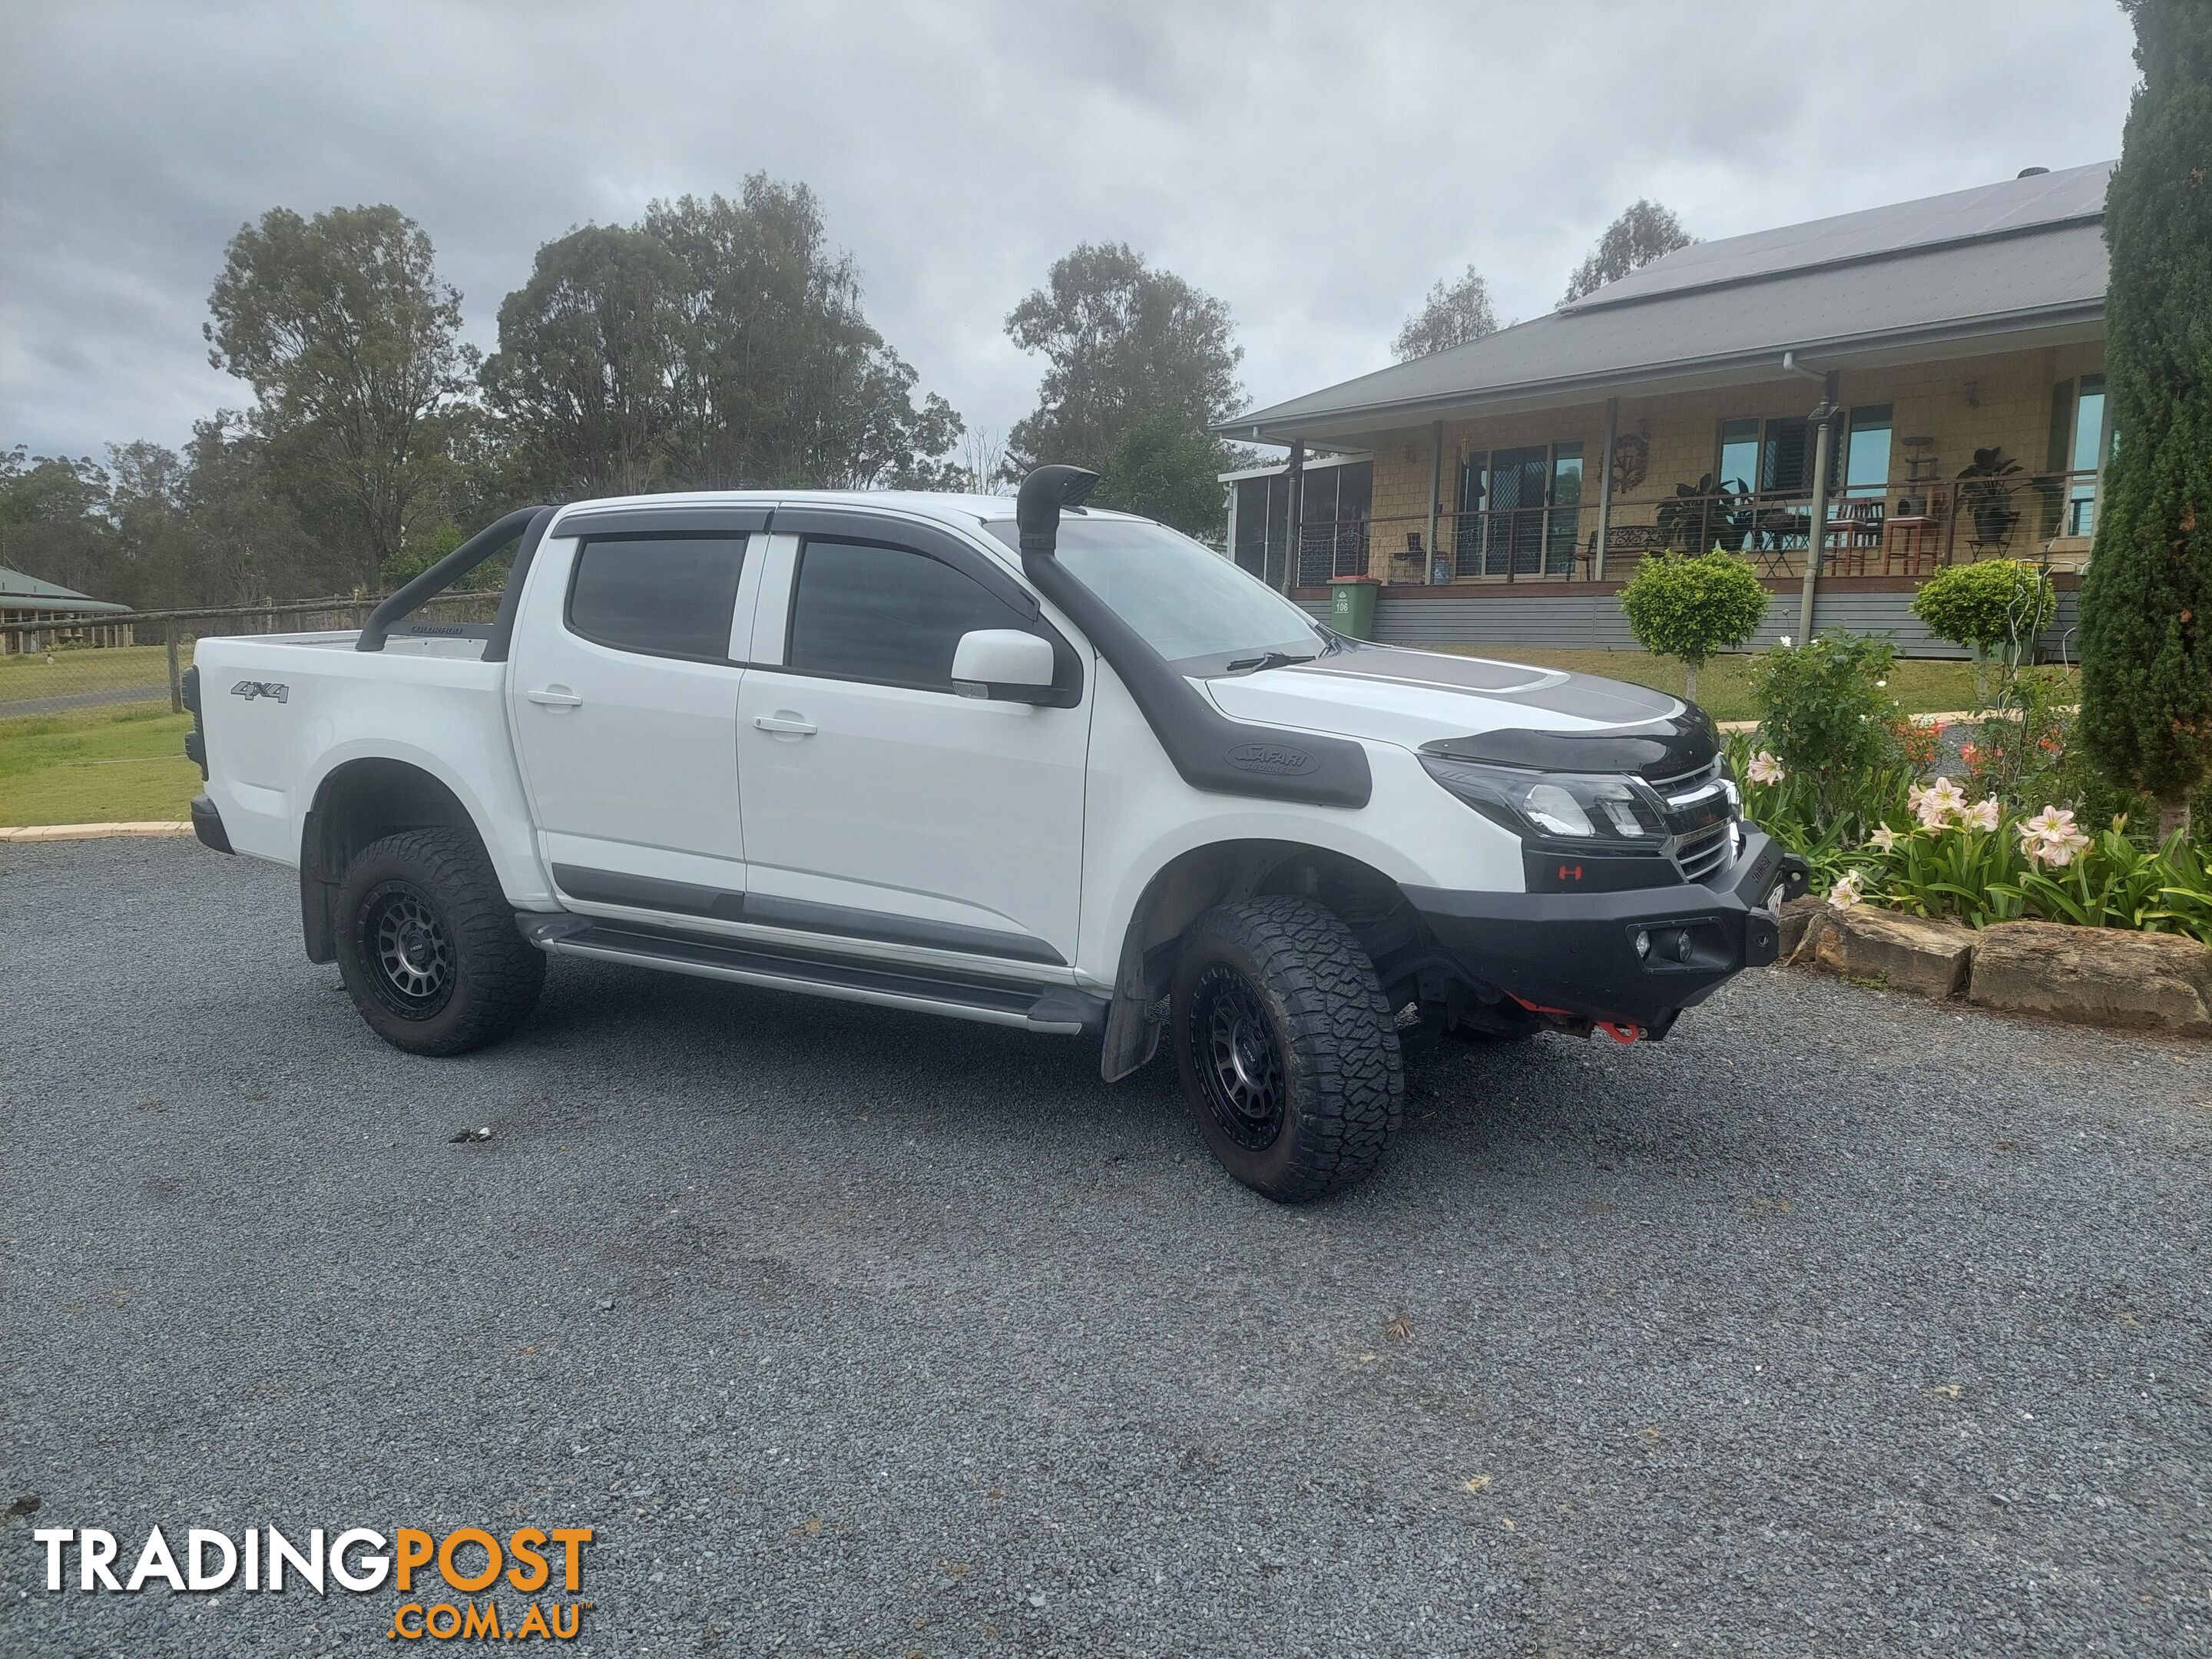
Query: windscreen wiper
(1268, 659)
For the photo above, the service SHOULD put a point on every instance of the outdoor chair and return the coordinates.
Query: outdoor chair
(1854, 532)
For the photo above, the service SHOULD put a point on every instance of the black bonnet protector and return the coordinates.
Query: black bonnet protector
(1208, 750)
(1684, 741)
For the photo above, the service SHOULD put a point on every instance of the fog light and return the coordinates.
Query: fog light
(1682, 946)
(1643, 943)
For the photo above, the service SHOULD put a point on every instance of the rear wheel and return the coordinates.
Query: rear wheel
(428, 944)
(1287, 1049)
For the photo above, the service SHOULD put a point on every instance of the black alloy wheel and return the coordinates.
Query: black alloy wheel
(1239, 1060)
(413, 953)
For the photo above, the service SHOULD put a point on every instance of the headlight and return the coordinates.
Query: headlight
(1599, 809)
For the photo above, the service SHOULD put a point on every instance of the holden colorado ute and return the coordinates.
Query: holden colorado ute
(1011, 761)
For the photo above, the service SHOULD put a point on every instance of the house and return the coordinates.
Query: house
(60, 613)
(1939, 363)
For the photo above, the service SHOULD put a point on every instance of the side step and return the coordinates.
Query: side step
(1056, 1008)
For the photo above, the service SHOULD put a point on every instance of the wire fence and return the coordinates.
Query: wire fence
(58, 666)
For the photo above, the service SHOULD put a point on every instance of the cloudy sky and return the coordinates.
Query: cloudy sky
(1318, 166)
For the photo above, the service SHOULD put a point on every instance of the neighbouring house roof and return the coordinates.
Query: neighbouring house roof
(2023, 261)
(21, 593)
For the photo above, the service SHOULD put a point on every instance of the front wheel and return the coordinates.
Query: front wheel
(428, 944)
(1288, 1052)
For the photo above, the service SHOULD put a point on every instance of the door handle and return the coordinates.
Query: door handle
(555, 696)
(786, 725)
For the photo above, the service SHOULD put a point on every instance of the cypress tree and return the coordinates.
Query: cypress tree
(2147, 597)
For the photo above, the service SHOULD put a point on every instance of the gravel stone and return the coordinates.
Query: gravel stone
(1837, 1322)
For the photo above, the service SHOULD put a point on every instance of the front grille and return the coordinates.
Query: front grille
(1703, 854)
(1682, 783)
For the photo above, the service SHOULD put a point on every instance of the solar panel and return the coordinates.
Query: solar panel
(1987, 210)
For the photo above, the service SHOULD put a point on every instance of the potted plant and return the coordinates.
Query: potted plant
(1702, 516)
(1985, 490)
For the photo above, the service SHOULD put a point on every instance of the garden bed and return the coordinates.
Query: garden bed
(1980, 859)
(2082, 975)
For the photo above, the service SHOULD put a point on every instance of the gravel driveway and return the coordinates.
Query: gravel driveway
(1838, 1323)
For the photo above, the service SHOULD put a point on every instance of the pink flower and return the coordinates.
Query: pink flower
(1763, 768)
(1937, 804)
(1982, 815)
(1884, 839)
(2050, 837)
(1849, 890)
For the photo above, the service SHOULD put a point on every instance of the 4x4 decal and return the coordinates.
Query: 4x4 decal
(250, 689)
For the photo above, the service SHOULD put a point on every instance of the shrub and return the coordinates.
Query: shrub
(1690, 608)
(1995, 608)
(1826, 713)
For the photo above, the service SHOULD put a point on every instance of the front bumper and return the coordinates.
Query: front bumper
(1575, 953)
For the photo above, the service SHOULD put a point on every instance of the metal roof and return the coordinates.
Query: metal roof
(2017, 206)
(19, 591)
(1892, 280)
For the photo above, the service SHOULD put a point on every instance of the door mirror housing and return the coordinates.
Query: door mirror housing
(1004, 664)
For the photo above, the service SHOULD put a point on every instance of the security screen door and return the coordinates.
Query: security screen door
(1517, 512)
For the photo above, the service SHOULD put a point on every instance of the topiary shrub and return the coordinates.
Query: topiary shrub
(1995, 608)
(1690, 608)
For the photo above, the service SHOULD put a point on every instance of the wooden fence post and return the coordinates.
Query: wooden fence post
(176, 680)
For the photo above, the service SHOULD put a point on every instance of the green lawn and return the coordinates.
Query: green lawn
(96, 766)
(1724, 686)
(31, 675)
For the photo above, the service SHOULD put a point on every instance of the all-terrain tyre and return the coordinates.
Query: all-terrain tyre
(1288, 1052)
(428, 944)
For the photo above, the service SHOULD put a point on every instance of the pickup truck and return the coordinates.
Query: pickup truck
(1014, 760)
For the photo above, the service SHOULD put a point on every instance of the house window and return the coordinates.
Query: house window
(2091, 446)
(1785, 454)
(1769, 458)
(1865, 454)
(1739, 464)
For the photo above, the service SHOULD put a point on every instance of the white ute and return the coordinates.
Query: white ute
(1052, 768)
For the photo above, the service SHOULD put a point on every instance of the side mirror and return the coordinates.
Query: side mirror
(1004, 664)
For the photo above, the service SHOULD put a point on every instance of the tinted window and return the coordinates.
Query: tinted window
(877, 613)
(672, 597)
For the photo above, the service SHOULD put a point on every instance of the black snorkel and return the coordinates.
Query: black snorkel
(1209, 750)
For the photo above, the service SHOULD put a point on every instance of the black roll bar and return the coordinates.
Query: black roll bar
(443, 574)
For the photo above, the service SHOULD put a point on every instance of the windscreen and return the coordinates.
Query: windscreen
(1195, 608)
